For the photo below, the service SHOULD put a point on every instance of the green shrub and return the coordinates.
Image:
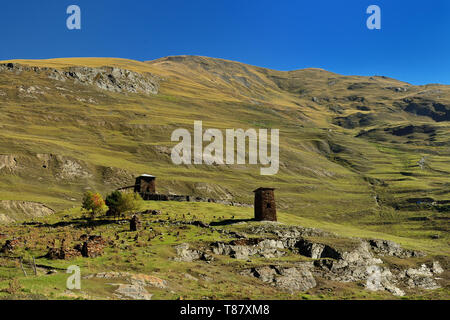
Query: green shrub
(113, 201)
(123, 203)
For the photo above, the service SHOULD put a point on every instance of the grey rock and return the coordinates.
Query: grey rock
(361, 263)
(132, 291)
(190, 277)
(286, 232)
(185, 254)
(295, 279)
(316, 250)
(436, 268)
(380, 279)
(421, 277)
(386, 247)
(309, 249)
(266, 274)
(267, 248)
(288, 279)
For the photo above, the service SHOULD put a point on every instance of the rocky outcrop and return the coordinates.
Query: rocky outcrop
(142, 279)
(422, 277)
(105, 78)
(63, 167)
(14, 210)
(355, 260)
(355, 120)
(188, 255)
(117, 177)
(70, 169)
(291, 279)
(425, 107)
(390, 248)
(132, 291)
(316, 250)
(286, 232)
(381, 279)
(7, 162)
(185, 254)
(245, 248)
(5, 219)
(111, 79)
(359, 265)
(136, 288)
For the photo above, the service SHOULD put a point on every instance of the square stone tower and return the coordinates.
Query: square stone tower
(145, 184)
(265, 207)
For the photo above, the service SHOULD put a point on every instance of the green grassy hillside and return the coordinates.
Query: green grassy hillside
(349, 152)
(146, 262)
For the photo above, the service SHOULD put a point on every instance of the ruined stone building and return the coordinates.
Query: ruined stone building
(265, 207)
(145, 186)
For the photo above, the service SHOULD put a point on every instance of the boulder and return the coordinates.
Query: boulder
(421, 277)
(380, 279)
(244, 248)
(185, 254)
(316, 250)
(390, 248)
(133, 291)
(295, 279)
(288, 279)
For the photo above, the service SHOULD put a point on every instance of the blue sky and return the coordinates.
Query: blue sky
(413, 44)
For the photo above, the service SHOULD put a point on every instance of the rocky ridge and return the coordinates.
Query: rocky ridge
(111, 79)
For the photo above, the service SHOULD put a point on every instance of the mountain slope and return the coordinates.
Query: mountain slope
(354, 150)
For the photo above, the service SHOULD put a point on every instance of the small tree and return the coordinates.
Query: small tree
(131, 202)
(94, 204)
(123, 203)
(113, 201)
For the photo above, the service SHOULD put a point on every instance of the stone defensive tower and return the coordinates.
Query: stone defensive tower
(265, 207)
(145, 184)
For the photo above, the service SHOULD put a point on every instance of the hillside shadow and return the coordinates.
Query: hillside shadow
(81, 223)
(229, 222)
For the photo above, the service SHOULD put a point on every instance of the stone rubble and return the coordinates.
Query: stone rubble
(91, 247)
(9, 246)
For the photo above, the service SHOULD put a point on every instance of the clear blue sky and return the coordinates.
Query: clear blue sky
(413, 44)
